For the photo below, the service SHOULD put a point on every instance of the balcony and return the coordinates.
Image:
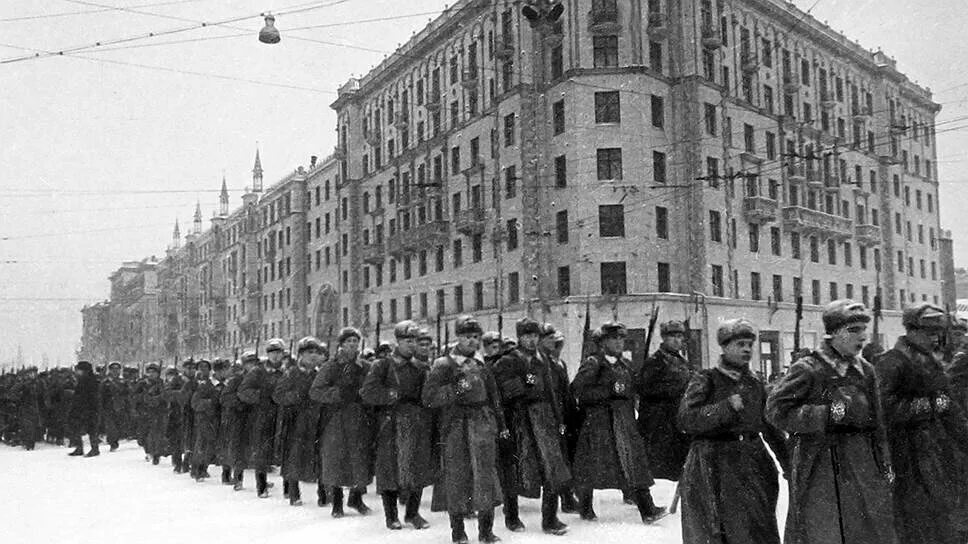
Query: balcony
(807, 221)
(372, 138)
(604, 21)
(470, 221)
(791, 85)
(750, 63)
(377, 210)
(814, 178)
(868, 235)
(759, 209)
(711, 37)
(401, 120)
(796, 173)
(658, 26)
(862, 114)
(476, 167)
(420, 237)
(339, 153)
(504, 49)
(469, 77)
(433, 101)
(373, 253)
(827, 100)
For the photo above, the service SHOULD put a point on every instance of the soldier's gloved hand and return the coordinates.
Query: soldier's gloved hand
(619, 388)
(463, 385)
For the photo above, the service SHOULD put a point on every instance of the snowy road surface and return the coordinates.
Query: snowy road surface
(119, 498)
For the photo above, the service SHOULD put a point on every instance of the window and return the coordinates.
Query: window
(768, 98)
(613, 278)
(511, 231)
(663, 276)
(754, 237)
(611, 221)
(477, 248)
(770, 146)
(459, 298)
(458, 253)
(748, 139)
(561, 226)
(658, 167)
(608, 107)
(831, 252)
(755, 293)
(777, 288)
(661, 222)
(710, 118)
(558, 117)
(441, 302)
(514, 288)
(439, 259)
(814, 250)
(658, 111)
(776, 247)
(795, 245)
(509, 130)
(717, 280)
(815, 292)
(510, 181)
(609, 163)
(833, 291)
(561, 171)
(564, 281)
(715, 228)
(557, 62)
(478, 295)
(455, 160)
(605, 51)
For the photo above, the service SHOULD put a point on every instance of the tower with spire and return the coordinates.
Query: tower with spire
(197, 226)
(257, 173)
(223, 199)
(176, 236)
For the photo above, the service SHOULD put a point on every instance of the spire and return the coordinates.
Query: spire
(176, 236)
(223, 199)
(257, 173)
(198, 218)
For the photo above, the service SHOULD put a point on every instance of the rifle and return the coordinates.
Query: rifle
(586, 347)
(648, 336)
(439, 347)
(877, 321)
(796, 324)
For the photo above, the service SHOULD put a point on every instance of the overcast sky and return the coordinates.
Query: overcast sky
(101, 151)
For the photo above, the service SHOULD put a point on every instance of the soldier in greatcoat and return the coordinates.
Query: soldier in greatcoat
(84, 410)
(28, 395)
(660, 385)
(840, 472)
(551, 345)
(300, 418)
(533, 413)
(958, 369)
(610, 453)
(176, 446)
(205, 408)
(156, 414)
(255, 391)
(729, 485)
(114, 401)
(464, 390)
(404, 464)
(184, 399)
(346, 449)
(232, 430)
(927, 431)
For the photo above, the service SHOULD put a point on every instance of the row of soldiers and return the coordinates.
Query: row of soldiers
(873, 451)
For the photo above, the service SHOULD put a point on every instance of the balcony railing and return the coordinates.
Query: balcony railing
(828, 100)
(469, 77)
(868, 235)
(401, 120)
(373, 252)
(750, 62)
(504, 49)
(470, 221)
(658, 25)
(433, 101)
(759, 209)
(712, 38)
(423, 236)
(603, 21)
(791, 85)
(807, 221)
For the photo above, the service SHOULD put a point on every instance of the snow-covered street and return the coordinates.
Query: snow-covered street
(119, 498)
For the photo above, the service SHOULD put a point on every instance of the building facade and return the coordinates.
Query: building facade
(714, 158)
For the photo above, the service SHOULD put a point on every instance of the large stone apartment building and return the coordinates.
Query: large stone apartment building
(714, 158)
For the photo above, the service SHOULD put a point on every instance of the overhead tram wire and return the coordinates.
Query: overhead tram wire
(90, 11)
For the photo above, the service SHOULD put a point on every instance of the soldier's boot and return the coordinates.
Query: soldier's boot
(647, 509)
(549, 513)
(295, 495)
(402, 499)
(457, 533)
(569, 504)
(176, 461)
(485, 526)
(94, 452)
(628, 497)
(585, 509)
(285, 489)
(226, 475)
(239, 473)
(155, 459)
(512, 518)
(78, 451)
(412, 513)
(355, 501)
(262, 484)
(322, 498)
(338, 502)
(390, 510)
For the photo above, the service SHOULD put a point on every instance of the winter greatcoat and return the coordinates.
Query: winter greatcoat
(394, 388)
(256, 391)
(610, 453)
(660, 385)
(533, 457)
(958, 375)
(470, 422)
(233, 433)
(28, 396)
(114, 406)
(928, 435)
(346, 447)
(299, 419)
(173, 431)
(729, 485)
(84, 406)
(206, 409)
(568, 405)
(156, 417)
(187, 413)
(800, 405)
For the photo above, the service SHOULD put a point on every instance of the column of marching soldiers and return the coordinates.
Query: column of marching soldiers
(874, 452)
